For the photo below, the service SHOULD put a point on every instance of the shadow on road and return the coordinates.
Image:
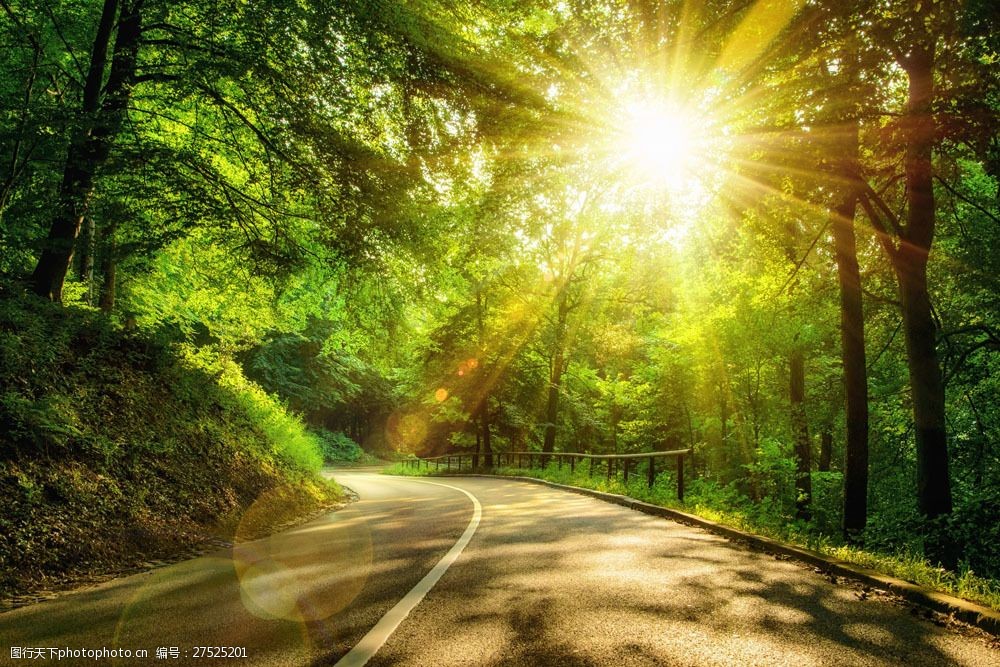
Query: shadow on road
(558, 579)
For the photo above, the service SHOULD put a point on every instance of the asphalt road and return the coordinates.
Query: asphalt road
(548, 578)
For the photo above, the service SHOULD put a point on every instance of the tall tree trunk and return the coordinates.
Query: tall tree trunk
(796, 400)
(557, 365)
(825, 450)
(933, 485)
(911, 270)
(800, 434)
(920, 331)
(981, 439)
(486, 448)
(88, 245)
(695, 461)
(615, 415)
(91, 142)
(852, 339)
(552, 402)
(109, 269)
(724, 425)
(484, 422)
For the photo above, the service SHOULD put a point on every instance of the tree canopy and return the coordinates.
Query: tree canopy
(762, 230)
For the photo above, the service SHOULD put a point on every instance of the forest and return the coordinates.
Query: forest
(241, 238)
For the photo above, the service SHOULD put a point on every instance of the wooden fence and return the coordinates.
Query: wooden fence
(612, 463)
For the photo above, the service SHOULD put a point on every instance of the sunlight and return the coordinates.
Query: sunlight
(659, 139)
(660, 147)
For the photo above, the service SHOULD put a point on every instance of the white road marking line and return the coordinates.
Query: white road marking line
(380, 633)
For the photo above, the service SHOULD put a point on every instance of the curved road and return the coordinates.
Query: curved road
(547, 578)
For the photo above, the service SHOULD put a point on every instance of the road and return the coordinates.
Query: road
(547, 578)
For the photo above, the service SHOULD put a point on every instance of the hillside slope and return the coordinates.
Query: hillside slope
(117, 447)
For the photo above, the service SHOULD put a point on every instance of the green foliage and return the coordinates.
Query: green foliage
(285, 434)
(337, 447)
(402, 227)
(119, 446)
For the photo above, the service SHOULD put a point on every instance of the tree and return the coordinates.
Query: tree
(852, 336)
(101, 114)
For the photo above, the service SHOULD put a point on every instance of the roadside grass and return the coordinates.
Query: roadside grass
(903, 564)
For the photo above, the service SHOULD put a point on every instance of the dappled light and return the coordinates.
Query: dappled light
(736, 257)
(561, 567)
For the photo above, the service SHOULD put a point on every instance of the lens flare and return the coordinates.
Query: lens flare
(406, 430)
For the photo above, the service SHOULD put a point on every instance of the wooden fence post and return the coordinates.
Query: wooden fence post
(651, 473)
(680, 477)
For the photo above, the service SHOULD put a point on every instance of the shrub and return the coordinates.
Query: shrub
(336, 446)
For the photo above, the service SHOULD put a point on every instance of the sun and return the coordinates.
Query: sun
(658, 140)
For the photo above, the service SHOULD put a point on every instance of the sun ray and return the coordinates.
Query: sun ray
(756, 33)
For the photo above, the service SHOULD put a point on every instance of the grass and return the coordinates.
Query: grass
(904, 565)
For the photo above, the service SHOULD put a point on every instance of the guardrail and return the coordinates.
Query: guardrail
(623, 462)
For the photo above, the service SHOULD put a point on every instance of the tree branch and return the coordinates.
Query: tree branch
(881, 233)
(62, 38)
(892, 222)
(805, 255)
(968, 201)
(885, 347)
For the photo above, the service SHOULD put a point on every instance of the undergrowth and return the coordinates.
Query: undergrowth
(120, 446)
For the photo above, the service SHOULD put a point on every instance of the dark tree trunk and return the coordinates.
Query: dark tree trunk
(109, 269)
(724, 425)
(614, 435)
(91, 142)
(825, 450)
(933, 483)
(852, 341)
(552, 403)
(88, 245)
(909, 255)
(484, 421)
(800, 434)
(485, 447)
(981, 440)
(556, 368)
(695, 461)
(796, 402)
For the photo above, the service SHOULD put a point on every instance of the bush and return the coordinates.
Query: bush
(975, 527)
(337, 447)
(286, 434)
